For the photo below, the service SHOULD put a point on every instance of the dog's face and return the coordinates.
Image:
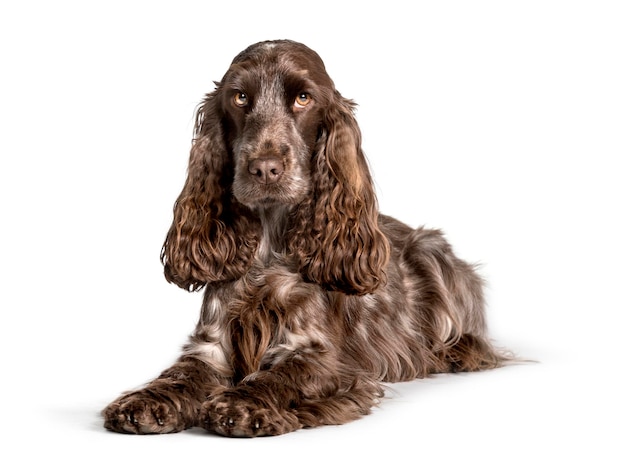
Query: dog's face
(273, 99)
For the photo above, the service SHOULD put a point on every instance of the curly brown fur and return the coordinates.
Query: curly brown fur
(312, 298)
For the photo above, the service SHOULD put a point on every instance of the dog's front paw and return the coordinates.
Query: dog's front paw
(237, 414)
(143, 412)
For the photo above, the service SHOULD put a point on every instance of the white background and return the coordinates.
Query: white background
(503, 123)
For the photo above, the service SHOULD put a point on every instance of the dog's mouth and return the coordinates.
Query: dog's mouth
(259, 195)
(267, 202)
(271, 196)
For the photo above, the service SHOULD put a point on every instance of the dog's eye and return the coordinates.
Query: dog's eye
(240, 99)
(302, 100)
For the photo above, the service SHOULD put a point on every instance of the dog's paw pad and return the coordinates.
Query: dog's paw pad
(141, 413)
(230, 415)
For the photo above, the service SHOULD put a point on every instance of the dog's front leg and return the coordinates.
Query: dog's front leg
(170, 403)
(306, 389)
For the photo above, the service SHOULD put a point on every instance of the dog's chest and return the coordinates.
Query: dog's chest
(273, 314)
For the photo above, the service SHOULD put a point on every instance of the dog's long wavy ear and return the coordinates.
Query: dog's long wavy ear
(212, 237)
(336, 233)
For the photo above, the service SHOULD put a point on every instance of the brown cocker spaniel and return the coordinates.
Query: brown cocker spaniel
(312, 298)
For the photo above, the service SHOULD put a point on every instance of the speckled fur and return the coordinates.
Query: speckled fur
(312, 299)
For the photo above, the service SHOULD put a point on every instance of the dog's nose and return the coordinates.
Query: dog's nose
(266, 170)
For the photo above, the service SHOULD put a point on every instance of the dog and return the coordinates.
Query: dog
(312, 298)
